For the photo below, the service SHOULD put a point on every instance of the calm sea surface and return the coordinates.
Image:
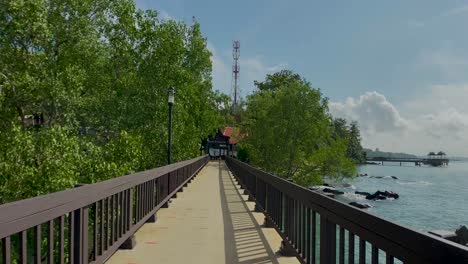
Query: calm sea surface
(430, 198)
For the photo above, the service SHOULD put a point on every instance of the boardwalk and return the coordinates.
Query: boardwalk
(209, 222)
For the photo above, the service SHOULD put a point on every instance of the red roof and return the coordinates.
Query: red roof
(228, 131)
(233, 134)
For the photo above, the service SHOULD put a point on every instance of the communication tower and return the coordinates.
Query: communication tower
(235, 69)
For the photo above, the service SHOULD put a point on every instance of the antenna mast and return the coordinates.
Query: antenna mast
(235, 68)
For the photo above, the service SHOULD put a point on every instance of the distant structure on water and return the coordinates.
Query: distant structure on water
(438, 159)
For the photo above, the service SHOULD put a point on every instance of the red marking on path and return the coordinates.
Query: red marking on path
(151, 242)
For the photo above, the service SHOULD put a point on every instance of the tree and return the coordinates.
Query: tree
(83, 92)
(349, 133)
(290, 133)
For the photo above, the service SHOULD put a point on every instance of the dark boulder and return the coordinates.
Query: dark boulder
(359, 205)
(462, 235)
(379, 195)
(390, 194)
(394, 177)
(328, 190)
(362, 193)
(375, 197)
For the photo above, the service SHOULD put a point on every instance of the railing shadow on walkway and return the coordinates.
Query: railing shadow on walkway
(244, 242)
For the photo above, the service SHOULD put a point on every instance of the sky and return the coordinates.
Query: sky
(399, 68)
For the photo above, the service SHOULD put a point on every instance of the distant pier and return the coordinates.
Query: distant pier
(436, 162)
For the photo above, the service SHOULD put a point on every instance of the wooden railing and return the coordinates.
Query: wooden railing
(323, 230)
(89, 223)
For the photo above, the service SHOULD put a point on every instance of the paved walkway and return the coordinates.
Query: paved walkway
(209, 222)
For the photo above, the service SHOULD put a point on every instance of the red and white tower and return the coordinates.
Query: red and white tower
(235, 69)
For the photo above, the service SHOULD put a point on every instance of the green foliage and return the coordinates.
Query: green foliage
(350, 133)
(243, 154)
(94, 75)
(290, 133)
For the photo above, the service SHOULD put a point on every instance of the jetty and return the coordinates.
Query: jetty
(202, 211)
(436, 162)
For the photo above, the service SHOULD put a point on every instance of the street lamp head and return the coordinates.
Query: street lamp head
(171, 94)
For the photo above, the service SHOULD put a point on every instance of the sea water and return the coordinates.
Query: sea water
(431, 198)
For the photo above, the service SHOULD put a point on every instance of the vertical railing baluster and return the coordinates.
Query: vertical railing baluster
(78, 233)
(102, 222)
(293, 222)
(314, 237)
(24, 247)
(37, 244)
(362, 251)
(342, 245)
(6, 250)
(85, 231)
(71, 237)
(108, 221)
(143, 200)
(375, 255)
(327, 240)
(307, 236)
(130, 209)
(116, 217)
(61, 254)
(389, 258)
(50, 242)
(350, 247)
(95, 232)
(135, 203)
(121, 213)
(111, 221)
(299, 228)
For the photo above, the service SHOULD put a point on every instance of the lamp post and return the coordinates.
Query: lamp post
(170, 101)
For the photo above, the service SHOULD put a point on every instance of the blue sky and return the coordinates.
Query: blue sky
(400, 68)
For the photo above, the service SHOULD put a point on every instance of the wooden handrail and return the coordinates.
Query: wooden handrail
(104, 215)
(291, 207)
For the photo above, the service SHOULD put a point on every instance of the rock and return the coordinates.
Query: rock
(346, 185)
(379, 195)
(328, 190)
(376, 196)
(390, 195)
(394, 177)
(359, 205)
(362, 193)
(462, 234)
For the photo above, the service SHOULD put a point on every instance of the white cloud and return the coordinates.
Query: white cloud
(164, 16)
(372, 110)
(436, 121)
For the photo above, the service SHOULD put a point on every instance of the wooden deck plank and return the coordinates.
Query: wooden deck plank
(209, 222)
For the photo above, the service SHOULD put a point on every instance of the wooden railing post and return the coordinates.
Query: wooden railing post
(130, 243)
(327, 240)
(80, 235)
